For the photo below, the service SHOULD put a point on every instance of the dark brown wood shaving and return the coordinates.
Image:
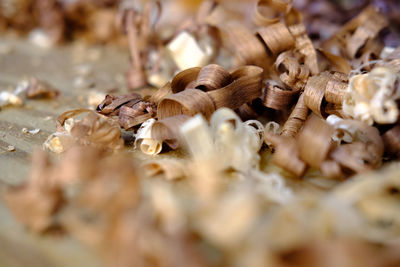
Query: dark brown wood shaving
(277, 98)
(188, 102)
(137, 114)
(245, 87)
(111, 105)
(184, 79)
(161, 93)
(212, 77)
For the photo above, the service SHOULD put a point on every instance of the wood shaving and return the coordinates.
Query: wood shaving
(144, 140)
(271, 137)
(92, 130)
(371, 97)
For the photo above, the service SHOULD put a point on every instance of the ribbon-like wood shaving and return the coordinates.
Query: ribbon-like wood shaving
(296, 119)
(277, 38)
(245, 86)
(112, 104)
(245, 46)
(277, 98)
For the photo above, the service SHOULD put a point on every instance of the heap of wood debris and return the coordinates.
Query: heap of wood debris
(234, 91)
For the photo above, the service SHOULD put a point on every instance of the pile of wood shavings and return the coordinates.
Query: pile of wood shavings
(327, 108)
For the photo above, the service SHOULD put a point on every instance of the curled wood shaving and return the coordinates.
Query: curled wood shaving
(354, 34)
(234, 143)
(212, 77)
(365, 31)
(238, 141)
(131, 109)
(277, 98)
(270, 11)
(372, 96)
(184, 79)
(335, 90)
(162, 92)
(305, 47)
(245, 86)
(144, 140)
(137, 114)
(314, 93)
(277, 38)
(111, 104)
(293, 74)
(167, 130)
(92, 130)
(296, 118)
(352, 131)
(188, 102)
(245, 46)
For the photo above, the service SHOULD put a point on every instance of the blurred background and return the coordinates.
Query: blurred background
(94, 20)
